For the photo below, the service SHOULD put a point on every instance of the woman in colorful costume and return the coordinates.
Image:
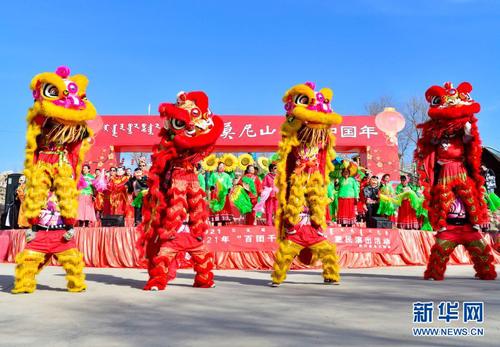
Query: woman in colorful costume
(407, 217)
(448, 159)
(271, 203)
(250, 189)
(306, 154)
(86, 211)
(118, 196)
(175, 209)
(387, 206)
(57, 140)
(100, 184)
(333, 201)
(220, 183)
(347, 197)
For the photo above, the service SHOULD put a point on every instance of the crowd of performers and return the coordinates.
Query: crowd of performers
(301, 191)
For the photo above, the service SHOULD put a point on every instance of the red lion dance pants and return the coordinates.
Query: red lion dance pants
(162, 267)
(446, 242)
(186, 211)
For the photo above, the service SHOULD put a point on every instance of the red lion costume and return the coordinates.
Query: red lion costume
(175, 211)
(448, 159)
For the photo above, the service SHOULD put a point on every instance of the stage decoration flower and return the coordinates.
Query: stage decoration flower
(263, 163)
(230, 162)
(244, 160)
(210, 163)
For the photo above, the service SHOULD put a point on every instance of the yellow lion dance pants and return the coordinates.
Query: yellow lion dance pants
(305, 237)
(30, 262)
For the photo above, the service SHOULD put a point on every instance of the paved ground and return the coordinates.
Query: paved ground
(372, 307)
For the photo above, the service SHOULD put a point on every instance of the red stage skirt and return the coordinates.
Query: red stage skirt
(346, 211)
(407, 219)
(224, 215)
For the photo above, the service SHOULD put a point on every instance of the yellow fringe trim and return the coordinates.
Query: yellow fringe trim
(287, 251)
(72, 262)
(28, 263)
(44, 177)
(326, 252)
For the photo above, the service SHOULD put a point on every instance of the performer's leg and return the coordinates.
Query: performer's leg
(37, 191)
(67, 194)
(287, 251)
(327, 253)
(203, 262)
(72, 262)
(440, 254)
(482, 257)
(28, 263)
(158, 269)
(198, 215)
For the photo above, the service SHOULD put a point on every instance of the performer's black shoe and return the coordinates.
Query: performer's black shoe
(331, 282)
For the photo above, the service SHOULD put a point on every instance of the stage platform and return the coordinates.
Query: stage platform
(245, 248)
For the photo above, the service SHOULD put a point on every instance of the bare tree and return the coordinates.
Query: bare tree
(377, 106)
(138, 156)
(415, 113)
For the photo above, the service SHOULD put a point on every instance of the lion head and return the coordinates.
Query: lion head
(189, 123)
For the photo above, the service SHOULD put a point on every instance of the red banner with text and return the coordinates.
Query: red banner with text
(123, 131)
(263, 238)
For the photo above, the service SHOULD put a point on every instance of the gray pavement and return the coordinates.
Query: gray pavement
(372, 307)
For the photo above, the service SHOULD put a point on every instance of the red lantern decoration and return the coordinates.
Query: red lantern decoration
(390, 122)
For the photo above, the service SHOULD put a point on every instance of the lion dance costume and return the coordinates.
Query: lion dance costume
(306, 154)
(57, 140)
(176, 212)
(448, 159)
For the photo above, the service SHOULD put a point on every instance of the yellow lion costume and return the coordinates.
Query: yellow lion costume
(306, 154)
(57, 139)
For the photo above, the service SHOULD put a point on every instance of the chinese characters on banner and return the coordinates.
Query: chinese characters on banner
(238, 130)
(262, 238)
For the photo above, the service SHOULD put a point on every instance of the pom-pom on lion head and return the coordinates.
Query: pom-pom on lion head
(61, 97)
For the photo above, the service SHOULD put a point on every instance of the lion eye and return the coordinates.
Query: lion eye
(178, 124)
(436, 100)
(301, 99)
(465, 96)
(50, 91)
(195, 112)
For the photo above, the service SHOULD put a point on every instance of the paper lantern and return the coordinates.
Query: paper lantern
(96, 124)
(390, 122)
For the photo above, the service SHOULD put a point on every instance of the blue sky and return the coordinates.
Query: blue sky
(246, 54)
